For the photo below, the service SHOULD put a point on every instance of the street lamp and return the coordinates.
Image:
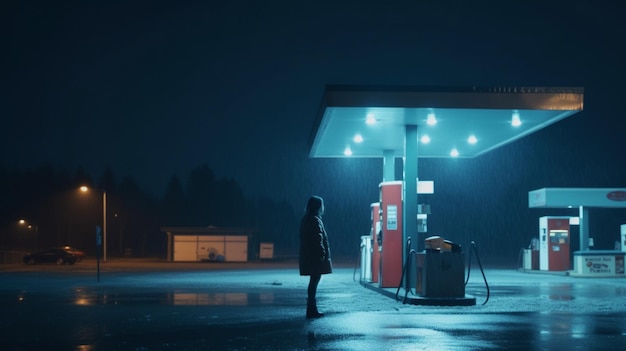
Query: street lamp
(85, 189)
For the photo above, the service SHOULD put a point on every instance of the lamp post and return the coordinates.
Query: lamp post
(85, 189)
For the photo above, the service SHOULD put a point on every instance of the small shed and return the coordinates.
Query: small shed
(213, 244)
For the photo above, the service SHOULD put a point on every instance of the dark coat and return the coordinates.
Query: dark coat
(314, 248)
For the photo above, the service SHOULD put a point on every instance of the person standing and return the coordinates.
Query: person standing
(314, 251)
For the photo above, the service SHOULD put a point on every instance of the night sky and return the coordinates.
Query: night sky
(154, 89)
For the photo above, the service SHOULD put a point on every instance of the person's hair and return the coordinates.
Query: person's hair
(314, 205)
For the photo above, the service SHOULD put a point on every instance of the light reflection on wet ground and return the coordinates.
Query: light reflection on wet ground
(180, 298)
(264, 310)
(85, 297)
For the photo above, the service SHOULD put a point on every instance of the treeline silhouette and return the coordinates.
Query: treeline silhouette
(55, 212)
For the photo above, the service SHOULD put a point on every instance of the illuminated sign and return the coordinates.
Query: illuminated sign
(616, 195)
(392, 217)
(609, 264)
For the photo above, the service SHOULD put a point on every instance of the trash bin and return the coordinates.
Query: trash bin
(528, 259)
(440, 274)
(266, 251)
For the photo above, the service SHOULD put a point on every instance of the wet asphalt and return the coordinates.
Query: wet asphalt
(156, 305)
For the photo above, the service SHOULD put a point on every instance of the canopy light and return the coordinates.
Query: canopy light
(358, 138)
(472, 139)
(425, 139)
(370, 119)
(347, 151)
(431, 120)
(454, 152)
(515, 121)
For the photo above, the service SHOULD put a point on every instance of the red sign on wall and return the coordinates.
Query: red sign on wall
(616, 195)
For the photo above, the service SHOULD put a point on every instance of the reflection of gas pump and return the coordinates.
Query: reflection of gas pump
(554, 246)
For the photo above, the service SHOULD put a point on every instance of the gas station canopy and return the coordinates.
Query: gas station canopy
(577, 197)
(453, 122)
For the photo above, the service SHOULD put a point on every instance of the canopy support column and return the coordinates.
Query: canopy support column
(409, 215)
(583, 215)
(389, 168)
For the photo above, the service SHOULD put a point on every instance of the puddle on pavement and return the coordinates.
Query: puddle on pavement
(219, 299)
(561, 297)
(82, 297)
(178, 298)
(558, 292)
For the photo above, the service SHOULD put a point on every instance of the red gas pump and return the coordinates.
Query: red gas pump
(375, 207)
(391, 251)
(554, 244)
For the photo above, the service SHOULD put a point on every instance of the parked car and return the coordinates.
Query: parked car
(54, 255)
(78, 253)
